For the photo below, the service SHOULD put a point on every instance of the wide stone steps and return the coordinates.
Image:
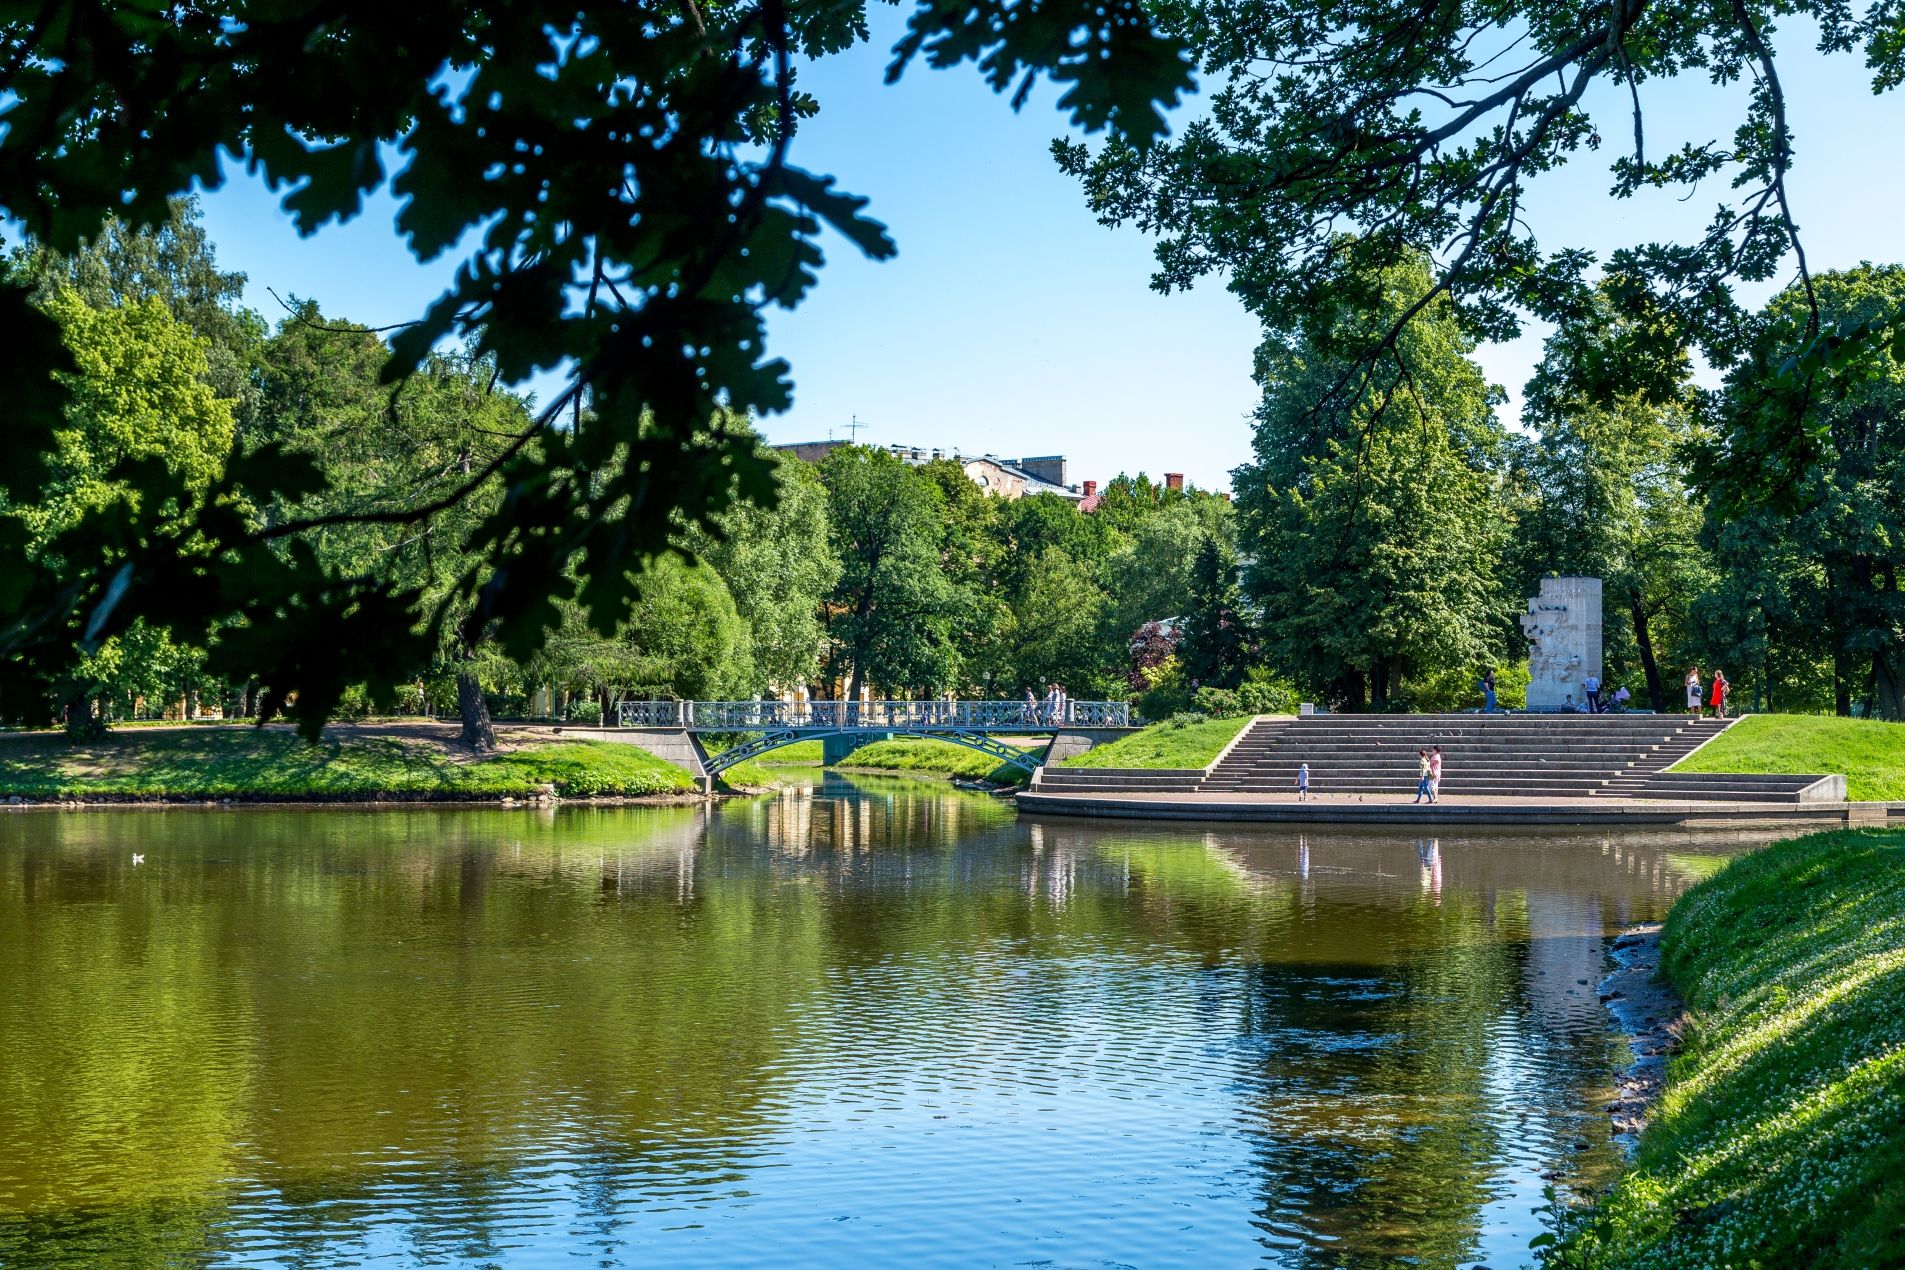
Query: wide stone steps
(1506, 755)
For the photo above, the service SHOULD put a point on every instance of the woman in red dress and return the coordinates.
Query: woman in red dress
(1720, 687)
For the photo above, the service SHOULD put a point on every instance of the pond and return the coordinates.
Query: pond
(871, 1021)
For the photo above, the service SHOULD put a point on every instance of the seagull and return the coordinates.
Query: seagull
(137, 858)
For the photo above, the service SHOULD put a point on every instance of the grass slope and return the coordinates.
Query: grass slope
(923, 754)
(1164, 745)
(238, 762)
(1780, 1139)
(1869, 752)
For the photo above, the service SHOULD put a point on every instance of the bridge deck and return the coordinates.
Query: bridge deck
(874, 716)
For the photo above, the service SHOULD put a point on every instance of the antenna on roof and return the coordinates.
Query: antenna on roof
(853, 429)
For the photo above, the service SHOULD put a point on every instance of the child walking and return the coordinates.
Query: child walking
(1302, 781)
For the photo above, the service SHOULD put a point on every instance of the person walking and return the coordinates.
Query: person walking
(1302, 781)
(1488, 692)
(1593, 685)
(1422, 775)
(1693, 691)
(1435, 773)
(1720, 688)
(1031, 708)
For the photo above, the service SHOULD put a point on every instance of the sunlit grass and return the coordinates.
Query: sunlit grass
(1780, 1140)
(241, 762)
(1869, 752)
(1164, 745)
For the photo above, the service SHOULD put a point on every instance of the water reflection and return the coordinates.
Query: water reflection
(871, 1019)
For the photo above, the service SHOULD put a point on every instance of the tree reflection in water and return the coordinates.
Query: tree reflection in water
(875, 1018)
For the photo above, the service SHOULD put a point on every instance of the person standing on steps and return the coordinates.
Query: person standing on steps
(1302, 781)
(1593, 685)
(1422, 775)
(1720, 688)
(1488, 692)
(1693, 691)
(1435, 773)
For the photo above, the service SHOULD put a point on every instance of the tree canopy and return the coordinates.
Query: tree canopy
(618, 182)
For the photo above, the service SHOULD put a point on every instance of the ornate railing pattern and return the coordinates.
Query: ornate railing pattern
(889, 716)
(651, 714)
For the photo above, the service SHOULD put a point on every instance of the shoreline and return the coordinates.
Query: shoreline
(1651, 1017)
(160, 802)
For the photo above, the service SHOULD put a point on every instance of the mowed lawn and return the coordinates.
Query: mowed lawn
(1164, 745)
(1871, 753)
(231, 762)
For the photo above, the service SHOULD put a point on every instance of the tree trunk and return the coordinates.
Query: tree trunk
(82, 724)
(1841, 686)
(478, 733)
(1644, 640)
(1888, 686)
(1379, 685)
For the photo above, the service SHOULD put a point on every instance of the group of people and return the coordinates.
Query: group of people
(1715, 696)
(1597, 700)
(1047, 709)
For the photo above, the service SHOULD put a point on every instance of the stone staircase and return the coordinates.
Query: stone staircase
(1525, 755)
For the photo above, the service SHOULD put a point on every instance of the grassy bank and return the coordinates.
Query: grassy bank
(917, 755)
(1869, 752)
(1780, 1139)
(275, 763)
(1164, 745)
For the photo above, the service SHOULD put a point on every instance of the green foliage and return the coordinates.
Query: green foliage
(1329, 157)
(1215, 647)
(1375, 523)
(1780, 1138)
(1869, 753)
(1263, 693)
(246, 762)
(1188, 742)
(891, 610)
(652, 283)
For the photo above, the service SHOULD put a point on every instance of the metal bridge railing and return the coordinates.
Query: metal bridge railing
(651, 714)
(756, 716)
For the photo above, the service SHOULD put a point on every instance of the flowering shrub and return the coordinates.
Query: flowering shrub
(1153, 655)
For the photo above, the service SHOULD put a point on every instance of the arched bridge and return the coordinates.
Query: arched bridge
(973, 724)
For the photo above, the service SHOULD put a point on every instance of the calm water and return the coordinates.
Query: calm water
(880, 1022)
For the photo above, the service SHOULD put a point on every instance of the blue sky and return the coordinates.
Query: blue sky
(1013, 323)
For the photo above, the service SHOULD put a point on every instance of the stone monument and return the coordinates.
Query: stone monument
(1563, 626)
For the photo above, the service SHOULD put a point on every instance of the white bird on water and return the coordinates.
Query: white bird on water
(137, 858)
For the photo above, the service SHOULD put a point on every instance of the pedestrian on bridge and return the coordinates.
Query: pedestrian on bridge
(1031, 708)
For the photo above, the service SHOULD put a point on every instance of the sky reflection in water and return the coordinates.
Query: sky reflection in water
(880, 1021)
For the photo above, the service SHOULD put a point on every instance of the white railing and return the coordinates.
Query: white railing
(756, 716)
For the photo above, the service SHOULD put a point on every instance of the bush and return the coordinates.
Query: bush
(1164, 700)
(1262, 693)
(589, 711)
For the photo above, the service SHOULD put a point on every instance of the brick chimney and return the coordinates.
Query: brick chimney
(1174, 480)
(1091, 487)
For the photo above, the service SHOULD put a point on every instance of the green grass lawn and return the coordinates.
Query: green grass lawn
(1870, 753)
(234, 762)
(923, 754)
(1164, 745)
(1780, 1138)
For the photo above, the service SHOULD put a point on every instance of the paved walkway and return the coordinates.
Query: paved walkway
(1473, 809)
